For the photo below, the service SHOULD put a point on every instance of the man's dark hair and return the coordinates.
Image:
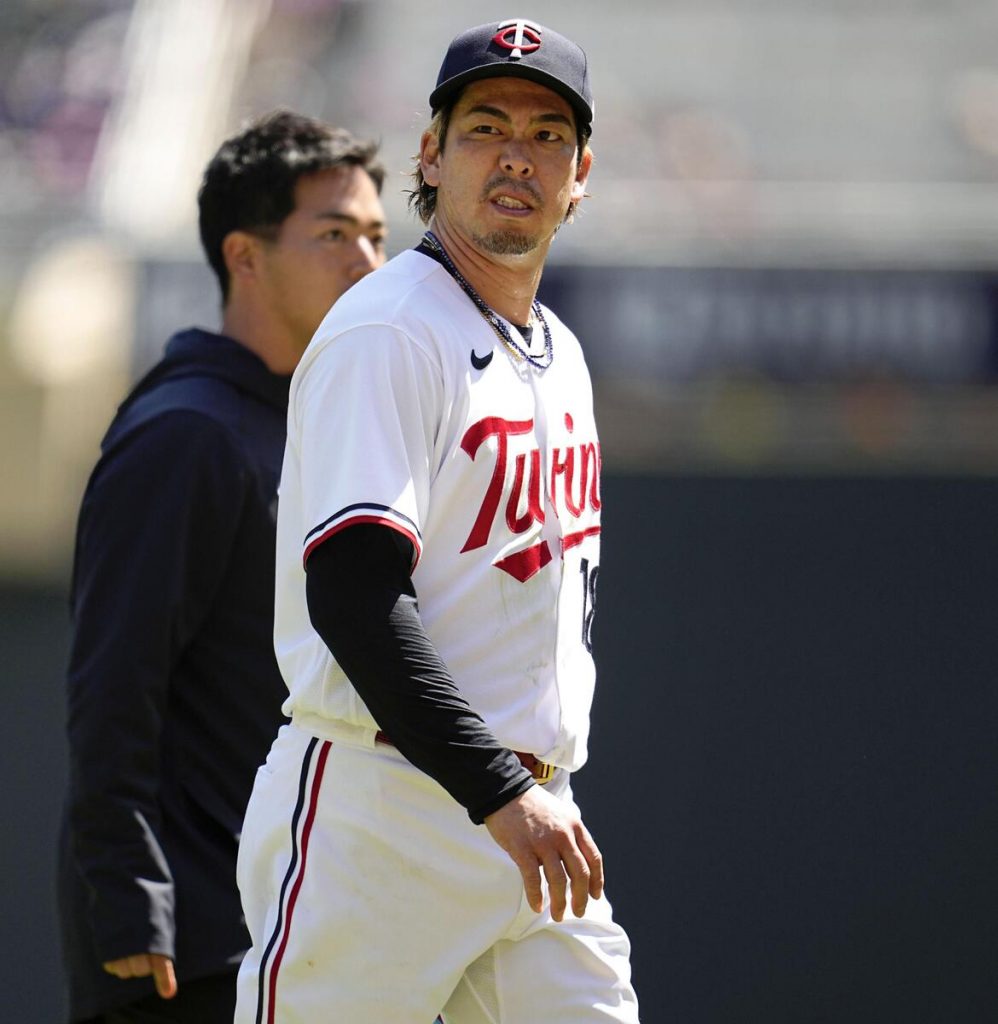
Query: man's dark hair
(423, 197)
(249, 185)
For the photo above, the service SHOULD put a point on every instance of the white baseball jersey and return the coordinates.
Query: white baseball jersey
(407, 410)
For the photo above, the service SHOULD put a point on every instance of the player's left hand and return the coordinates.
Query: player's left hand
(141, 966)
(539, 831)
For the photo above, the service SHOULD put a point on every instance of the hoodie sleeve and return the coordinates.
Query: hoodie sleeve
(155, 533)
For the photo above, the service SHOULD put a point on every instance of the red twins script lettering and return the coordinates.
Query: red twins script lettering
(522, 493)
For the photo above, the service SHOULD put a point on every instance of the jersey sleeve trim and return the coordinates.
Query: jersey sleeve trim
(351, 515)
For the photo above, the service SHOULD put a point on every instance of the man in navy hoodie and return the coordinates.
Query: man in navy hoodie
(174, 694)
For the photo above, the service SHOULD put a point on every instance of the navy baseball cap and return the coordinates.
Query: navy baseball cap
(522, 49)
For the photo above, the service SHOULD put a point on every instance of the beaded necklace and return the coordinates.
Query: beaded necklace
(542, 363)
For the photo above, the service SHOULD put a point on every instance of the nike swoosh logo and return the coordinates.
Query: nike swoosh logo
(480, 362)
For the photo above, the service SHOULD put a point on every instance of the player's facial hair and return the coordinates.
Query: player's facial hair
(507, 242)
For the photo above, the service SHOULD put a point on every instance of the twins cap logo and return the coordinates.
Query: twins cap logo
(519, 37)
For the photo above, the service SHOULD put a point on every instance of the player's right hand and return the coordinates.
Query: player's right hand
(539, 831)
(141, 966)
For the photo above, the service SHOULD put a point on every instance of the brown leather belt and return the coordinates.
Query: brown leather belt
(541, 772)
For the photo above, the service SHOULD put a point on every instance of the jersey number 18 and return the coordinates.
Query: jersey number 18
(589, 576)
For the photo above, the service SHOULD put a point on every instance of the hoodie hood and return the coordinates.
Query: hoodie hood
(199, 353)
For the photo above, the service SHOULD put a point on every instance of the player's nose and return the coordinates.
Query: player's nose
(368, 257)
(515, 159)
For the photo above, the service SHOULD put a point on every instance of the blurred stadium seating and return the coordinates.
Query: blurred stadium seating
(785, 263)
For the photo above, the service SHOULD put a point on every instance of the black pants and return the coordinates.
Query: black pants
(202, 1001)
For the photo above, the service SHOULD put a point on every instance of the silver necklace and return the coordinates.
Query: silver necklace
(542, 363)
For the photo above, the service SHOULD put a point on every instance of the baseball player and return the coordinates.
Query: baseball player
(437, 561)
(174, 694)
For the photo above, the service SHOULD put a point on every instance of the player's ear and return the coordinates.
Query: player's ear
(429, 158)
(582, 175)
(241, 252)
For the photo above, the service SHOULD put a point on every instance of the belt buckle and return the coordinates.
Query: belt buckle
(541, 772)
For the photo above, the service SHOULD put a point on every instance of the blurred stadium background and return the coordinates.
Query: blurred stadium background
(785, 284)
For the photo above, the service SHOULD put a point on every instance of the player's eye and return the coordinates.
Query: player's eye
(548, 135)
(334, 235)
(485, 129)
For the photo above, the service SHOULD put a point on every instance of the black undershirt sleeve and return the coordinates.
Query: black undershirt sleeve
(362, 603)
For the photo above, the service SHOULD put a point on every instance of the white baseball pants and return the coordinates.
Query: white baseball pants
(371, 898)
